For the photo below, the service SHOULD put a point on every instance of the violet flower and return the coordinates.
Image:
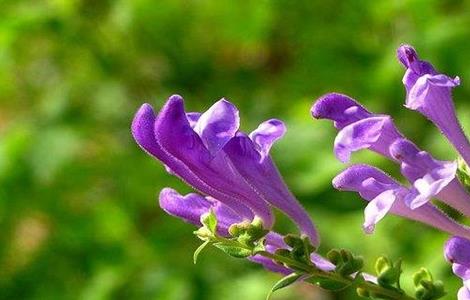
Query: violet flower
(430, 93)
(457, 252)
(209, 152)
(361, 129)
(386, 195)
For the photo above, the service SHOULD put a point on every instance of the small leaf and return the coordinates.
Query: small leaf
(199, 249)
(284, 282)
(234, 251)
(209, 220)
(329, 284)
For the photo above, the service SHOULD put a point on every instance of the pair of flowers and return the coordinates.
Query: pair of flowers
(238, 181)
(232, 171)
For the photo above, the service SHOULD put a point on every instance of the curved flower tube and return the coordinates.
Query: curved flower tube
(361, 129)
(430, 93)
(457, 252)
(386, 195)
(208, 151)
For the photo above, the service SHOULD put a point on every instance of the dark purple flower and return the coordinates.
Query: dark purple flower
(430, 93)
(457, 252)
(386, 195)
(209, 152)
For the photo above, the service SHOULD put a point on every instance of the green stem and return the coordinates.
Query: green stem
(313, 271)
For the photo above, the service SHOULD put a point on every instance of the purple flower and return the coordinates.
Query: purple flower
(209, 152)
(358, 128)
(430, 177)
(386, 195)
(457, 252)
(430, 93)
(361, 129)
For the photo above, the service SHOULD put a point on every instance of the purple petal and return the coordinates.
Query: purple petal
(356, 136)
(377, 209)
(190, 208)
(430, 177)
(266, 134)
(463, 294)
(430, 93)
(426, 88)
(322, 263)
(339, 108)
(144, 134)
(461, 271)
(218, 125)
(457, 250)
(265, 178)
(177, 138)
(370, 182)
(193, 117)
(270, 265)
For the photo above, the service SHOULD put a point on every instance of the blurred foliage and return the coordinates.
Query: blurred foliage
(78, 198)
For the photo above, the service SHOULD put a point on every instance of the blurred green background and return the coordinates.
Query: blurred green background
(78, 212)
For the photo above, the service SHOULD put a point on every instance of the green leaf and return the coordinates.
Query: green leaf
(209, 220)
(284, 282)
(234, 251)
(328, 284)
(199, 249)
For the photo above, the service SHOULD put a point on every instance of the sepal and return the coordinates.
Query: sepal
(426, 288)
(283, 283)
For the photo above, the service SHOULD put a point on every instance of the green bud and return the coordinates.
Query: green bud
(334, 256)
(293, 241)
(282, 252)
(426, 287)
(422, 275)
(362, 292)
(382, 264)
(209, 220)
(204, 233)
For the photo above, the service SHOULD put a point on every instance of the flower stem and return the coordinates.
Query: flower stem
(312, 271)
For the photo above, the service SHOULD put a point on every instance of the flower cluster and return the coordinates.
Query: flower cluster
(238, 184)
(429, 93)
(232, 171)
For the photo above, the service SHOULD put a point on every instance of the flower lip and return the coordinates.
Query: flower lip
(457, 250)
(407, 55)
(339, 108)
(354, 176)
